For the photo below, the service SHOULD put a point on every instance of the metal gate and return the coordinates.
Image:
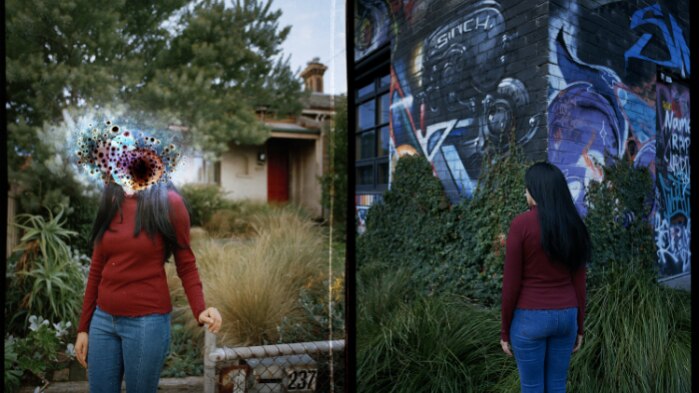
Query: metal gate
(297, 367)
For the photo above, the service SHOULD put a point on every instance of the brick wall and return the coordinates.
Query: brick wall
(465, 75)
(572, 78)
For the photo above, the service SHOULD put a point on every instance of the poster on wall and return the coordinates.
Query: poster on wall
(672, 215)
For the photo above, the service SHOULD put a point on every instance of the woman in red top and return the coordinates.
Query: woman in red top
(126, 308)
(543, 290)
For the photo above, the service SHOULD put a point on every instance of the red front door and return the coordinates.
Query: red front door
(277, 171)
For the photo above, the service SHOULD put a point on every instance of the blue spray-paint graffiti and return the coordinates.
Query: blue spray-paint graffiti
(672, 37)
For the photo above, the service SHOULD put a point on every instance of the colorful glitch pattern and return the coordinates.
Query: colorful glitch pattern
(132, 159)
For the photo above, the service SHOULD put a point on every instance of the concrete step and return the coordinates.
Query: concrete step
(166, 385)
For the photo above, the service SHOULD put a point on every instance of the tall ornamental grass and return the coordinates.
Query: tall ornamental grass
(238, 219)
(256, 285)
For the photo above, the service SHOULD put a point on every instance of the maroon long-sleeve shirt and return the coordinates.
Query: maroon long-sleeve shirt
(531, 280)
(127, 273)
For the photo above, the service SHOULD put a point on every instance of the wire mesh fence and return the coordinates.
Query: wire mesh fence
(296, 367)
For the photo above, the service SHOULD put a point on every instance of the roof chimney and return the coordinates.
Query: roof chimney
(313, 75)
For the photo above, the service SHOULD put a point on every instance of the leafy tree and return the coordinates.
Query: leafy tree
(58, 55)
(199, 64)
(336, 178)
(217, 70)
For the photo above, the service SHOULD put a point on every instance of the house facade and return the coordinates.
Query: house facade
(450, 80)
(287, 166)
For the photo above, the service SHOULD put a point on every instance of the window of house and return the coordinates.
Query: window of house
(372, 133)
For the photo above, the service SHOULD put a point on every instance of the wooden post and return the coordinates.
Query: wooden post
(209, 365)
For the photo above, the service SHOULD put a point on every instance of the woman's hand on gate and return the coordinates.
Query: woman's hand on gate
(211, 317)
(506, 347)
(81, 348)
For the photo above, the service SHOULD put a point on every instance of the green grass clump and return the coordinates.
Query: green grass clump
(427, 343)
(638, 340)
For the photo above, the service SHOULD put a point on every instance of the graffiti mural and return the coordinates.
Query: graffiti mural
(371, 23)
(602, 91)
(452, 98)
(672, 39)
(606, 102)
(672, 218)
(362, 204)
(585, 121)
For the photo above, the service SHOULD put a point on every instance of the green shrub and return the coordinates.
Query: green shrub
(226, 223)
(80, 218)
(474, 252)
(33, 357)
(446, 250)
(203, 201)
(618, 219)
(186, 354)
(44, 277)
(13, 376)
(320, 302)
(408, 227)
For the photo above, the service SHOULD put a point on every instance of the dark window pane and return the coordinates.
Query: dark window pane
(368, 89)
(383, 140)
(385, 80)
(366, 115)
(365, 176)
(383, 109)
(382, 175)
(365, 145)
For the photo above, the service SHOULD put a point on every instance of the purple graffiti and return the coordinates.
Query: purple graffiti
(672, 37)
(586, 122)
(582, 126)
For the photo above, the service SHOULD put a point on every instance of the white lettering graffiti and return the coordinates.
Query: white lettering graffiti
(675, 124)
(672, 241)
(467, 26)
(680, 166)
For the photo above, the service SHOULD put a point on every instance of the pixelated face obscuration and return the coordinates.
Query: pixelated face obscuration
(132, 159)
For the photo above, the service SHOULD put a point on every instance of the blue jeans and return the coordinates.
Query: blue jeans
(542, 342)
(133, 348)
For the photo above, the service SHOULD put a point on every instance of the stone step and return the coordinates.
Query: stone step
(166, 385)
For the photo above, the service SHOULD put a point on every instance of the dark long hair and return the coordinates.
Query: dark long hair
(151, 215)
(564, 235)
